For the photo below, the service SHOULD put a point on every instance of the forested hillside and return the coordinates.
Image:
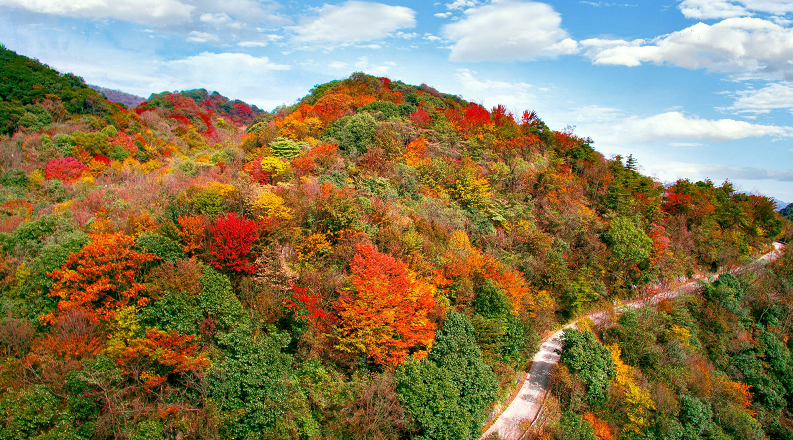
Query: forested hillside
(377, 261)
(715, 365)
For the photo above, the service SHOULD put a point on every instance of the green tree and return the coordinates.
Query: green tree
(587, 357)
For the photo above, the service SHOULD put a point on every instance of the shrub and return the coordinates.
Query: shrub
(66, 169)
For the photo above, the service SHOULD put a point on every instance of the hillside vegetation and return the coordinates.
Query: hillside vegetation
(377, 261)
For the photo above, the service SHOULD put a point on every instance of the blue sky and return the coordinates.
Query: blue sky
(692, 88)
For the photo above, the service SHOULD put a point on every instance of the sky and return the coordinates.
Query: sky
(691, 88)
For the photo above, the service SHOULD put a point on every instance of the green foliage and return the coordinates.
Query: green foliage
(449, 392)
(217, 300)
(354, 133)
(432, 400)
(159, 245)
(573, 427)
(587, 357)
(285, 148)
(251, 385)
(628, 241)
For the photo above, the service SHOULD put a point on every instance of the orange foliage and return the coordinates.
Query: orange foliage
(192, 233)
(163, 352)
(416, 153)
(100, 278)
(385, 313)
(601, 428)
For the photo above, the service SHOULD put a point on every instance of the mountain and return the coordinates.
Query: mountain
(118, 96)
(378, 260)
(787, 212)
(32, 94)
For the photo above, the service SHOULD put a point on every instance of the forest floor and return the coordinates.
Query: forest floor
(524, 408)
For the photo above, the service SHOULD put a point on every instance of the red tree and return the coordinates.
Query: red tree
(231, 241)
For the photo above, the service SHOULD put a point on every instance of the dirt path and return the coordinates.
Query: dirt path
(523, 410)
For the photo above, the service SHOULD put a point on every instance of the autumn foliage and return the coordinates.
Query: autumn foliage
(385, 312)
(231, 242)
(100, 279)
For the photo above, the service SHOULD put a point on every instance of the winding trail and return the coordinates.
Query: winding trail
(522, 412)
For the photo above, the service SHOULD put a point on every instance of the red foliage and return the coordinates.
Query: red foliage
(100, 278)
(254, 169)
(231, 241)
(677, 203)
(181, 119)
(102, 159)
(421, 119)
(475, 116)
(501, 116)
(306, 305)
(163, 353)
(65, 169)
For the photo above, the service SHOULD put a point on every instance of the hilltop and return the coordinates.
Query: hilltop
(118, 96)
(378, 260)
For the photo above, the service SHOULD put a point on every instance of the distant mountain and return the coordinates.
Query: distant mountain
(787, 212)
(196, 104)
(118, 96)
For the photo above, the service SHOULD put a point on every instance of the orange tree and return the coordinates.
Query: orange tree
(100, 278)
(385, 312)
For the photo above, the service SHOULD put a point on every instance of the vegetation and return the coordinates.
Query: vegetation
(377, 261)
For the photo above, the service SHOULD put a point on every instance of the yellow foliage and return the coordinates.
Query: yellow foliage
(470, 188)
(638, 401)
(123, 328)
(679, 334)
(62, 207)
(275, 166)
(36, 178)
(313, 246)
(272, 205)
(224, 190)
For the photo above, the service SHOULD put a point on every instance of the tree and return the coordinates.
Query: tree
(455, 350)
(101, 278)
(231, 241)
(384, 313)
(587, 357)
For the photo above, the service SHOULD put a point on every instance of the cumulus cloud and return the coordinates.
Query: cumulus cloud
(461, 4)
(500, 32)
(679, 126)
(515, 96)
(745, 47)
(776, 96)
(153, 12)
(352, 21)
(717, 9)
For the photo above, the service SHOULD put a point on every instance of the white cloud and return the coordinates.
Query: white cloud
(338, 65)
(776, 96)
(201, 37)
(461, 4)
(745, 47)
(705, 9)
(364, 65)
(252, 43)
(515, 96)
(153, 12)
(679, 127)
(716, 9)
(442, 14)
(207, 64)
(352, 21)
(508, 31)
